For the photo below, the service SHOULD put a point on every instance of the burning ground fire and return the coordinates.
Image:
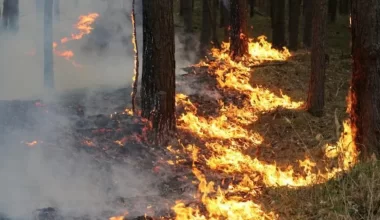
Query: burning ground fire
(226, 138)
(83, 26)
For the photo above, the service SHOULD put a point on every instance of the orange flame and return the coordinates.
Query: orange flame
(83, 26)
(226, 137)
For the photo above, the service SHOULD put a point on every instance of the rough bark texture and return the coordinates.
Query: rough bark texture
(343, 7)
(158, 83)
(316, 96)
(333, 5)
(308, 17)
(148, 87)
(278, 30)
(205, 29)
(48, 44)
(294, 20)
(365, 89)
(10, 14)
(238, 33)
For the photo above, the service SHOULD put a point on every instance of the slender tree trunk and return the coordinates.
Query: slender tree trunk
(225, 21)
(213, 6)
(294, 20)
(333, 4)
(11, 14)
(365, 88)
(343, 7)
(187, 13)
(308, 17)
(48, 44)
(205, 29)
(271, 7)
(239, 33)
(316, 96)
(181, 6)
(158, 77)
(278, 30)
(252, 4)
(57, 12)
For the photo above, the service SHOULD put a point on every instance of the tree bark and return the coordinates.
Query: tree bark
(294, 19)
(158, 77)
(48, 45)
(187, 12)
(343, 7)
(252, 4)
(225, 21)
(333, 4)
(365, 87)
(10, 14)
(278, 30)
(316, 96)
(205, 29)
(238, 33)
(308, 17)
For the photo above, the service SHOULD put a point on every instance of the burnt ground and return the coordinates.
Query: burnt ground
(95, 126)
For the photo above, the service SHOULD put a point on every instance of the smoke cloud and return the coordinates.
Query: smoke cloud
(57, 175)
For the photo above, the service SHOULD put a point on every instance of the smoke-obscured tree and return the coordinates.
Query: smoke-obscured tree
(205, 29)
(48, 44)
(294, 20)
(187, 15)
(225, 20)
(252, 4)
(278, 30)
(238, 32)
(10, 14)
(343, 7)
(57, 11)
(316, 95)
(365, 86)
(333, 5)
(158, 76)
(308, 17)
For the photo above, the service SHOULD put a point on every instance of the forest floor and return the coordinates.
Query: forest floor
(291, 135)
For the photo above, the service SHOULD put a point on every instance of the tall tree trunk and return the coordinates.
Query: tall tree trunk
(365, 87)
(205, 29)
(213, 7)
(57, 11)
(316, 96)
(48, 44)
(181, 6)
(343, 7)
(294, 20)
(11, 14)
(308, 17)
(225, 21)
(278, 30)
(252, 4)
(187, 12)
(238, 33)
(158, 76)
(333, 4)
(271, 7)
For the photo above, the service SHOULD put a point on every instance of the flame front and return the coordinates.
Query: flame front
(83, 26)
(226, 138)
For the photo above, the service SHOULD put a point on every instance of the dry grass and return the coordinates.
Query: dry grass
(354, 195)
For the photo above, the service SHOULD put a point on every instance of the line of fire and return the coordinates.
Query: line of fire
(210, 109)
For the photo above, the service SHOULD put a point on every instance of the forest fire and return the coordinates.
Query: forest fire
(83, 26)
(226, 139)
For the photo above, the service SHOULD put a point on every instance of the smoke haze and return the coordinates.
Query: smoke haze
(55, 175)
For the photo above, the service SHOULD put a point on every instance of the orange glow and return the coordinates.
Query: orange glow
(83, 26)
(226, 138)
(30, 144)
